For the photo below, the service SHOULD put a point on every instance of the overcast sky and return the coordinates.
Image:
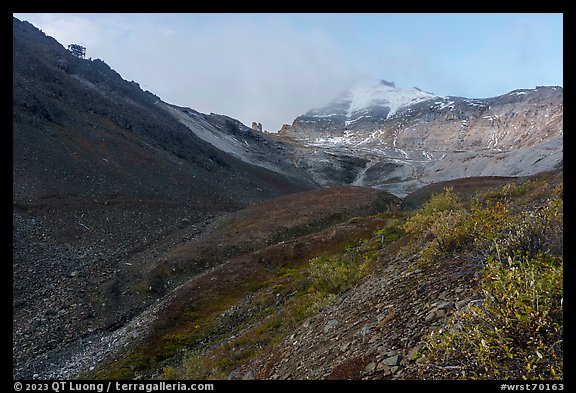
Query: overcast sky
(271, 68)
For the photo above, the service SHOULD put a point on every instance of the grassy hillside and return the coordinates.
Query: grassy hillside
(501, 247)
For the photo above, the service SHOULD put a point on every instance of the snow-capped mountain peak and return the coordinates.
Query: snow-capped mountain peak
(383, 94)
(399, 139)
(370, 98)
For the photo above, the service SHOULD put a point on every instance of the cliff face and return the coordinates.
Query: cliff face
(399, 140)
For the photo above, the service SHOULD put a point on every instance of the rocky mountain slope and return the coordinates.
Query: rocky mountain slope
(352, 298)
(246, 144)
(384, 327)
(399, 140)
(151, 304)
(101, 173)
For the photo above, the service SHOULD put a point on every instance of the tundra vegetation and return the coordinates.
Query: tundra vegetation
(513, 330)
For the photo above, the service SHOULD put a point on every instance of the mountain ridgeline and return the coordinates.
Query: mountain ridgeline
(149, 236)
(399, 140)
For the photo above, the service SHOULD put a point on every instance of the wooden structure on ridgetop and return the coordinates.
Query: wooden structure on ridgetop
(77, 50)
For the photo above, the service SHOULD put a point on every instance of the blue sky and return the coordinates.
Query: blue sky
(271, 68)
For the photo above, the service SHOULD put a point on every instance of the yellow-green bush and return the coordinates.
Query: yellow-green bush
(533, 232)
(334, 273)
(445, 225)
(515, 333)
(194, 366)
(170, 373)
(516, 330)
(447, 201)
(437, 206)
(392, 231)
(434, 225)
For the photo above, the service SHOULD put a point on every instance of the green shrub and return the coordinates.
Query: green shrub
(234, 359)
(269, 326)
(515, 333)
(170, 373)
(533, 232)
(444, 226)
(194, 366)
(334, 273)
(392, 231)
(508, 190)
(437, 207)
(351, 247)
(308, 304)
(447, 201)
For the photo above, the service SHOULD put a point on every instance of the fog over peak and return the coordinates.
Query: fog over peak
(267, 72)
(271, 68)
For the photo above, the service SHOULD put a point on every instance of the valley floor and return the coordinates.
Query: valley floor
(350, 295)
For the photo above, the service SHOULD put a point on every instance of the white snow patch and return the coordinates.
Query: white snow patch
(364, 96)
(332, 140)
(395, 140)
(374, 136)
(402, 151)
(348, 122)
(493, 142)
(427, 155)
(444, 105)
(328, 115)
(475, 103)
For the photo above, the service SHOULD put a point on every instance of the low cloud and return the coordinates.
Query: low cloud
(271, 68)
(268, 72)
